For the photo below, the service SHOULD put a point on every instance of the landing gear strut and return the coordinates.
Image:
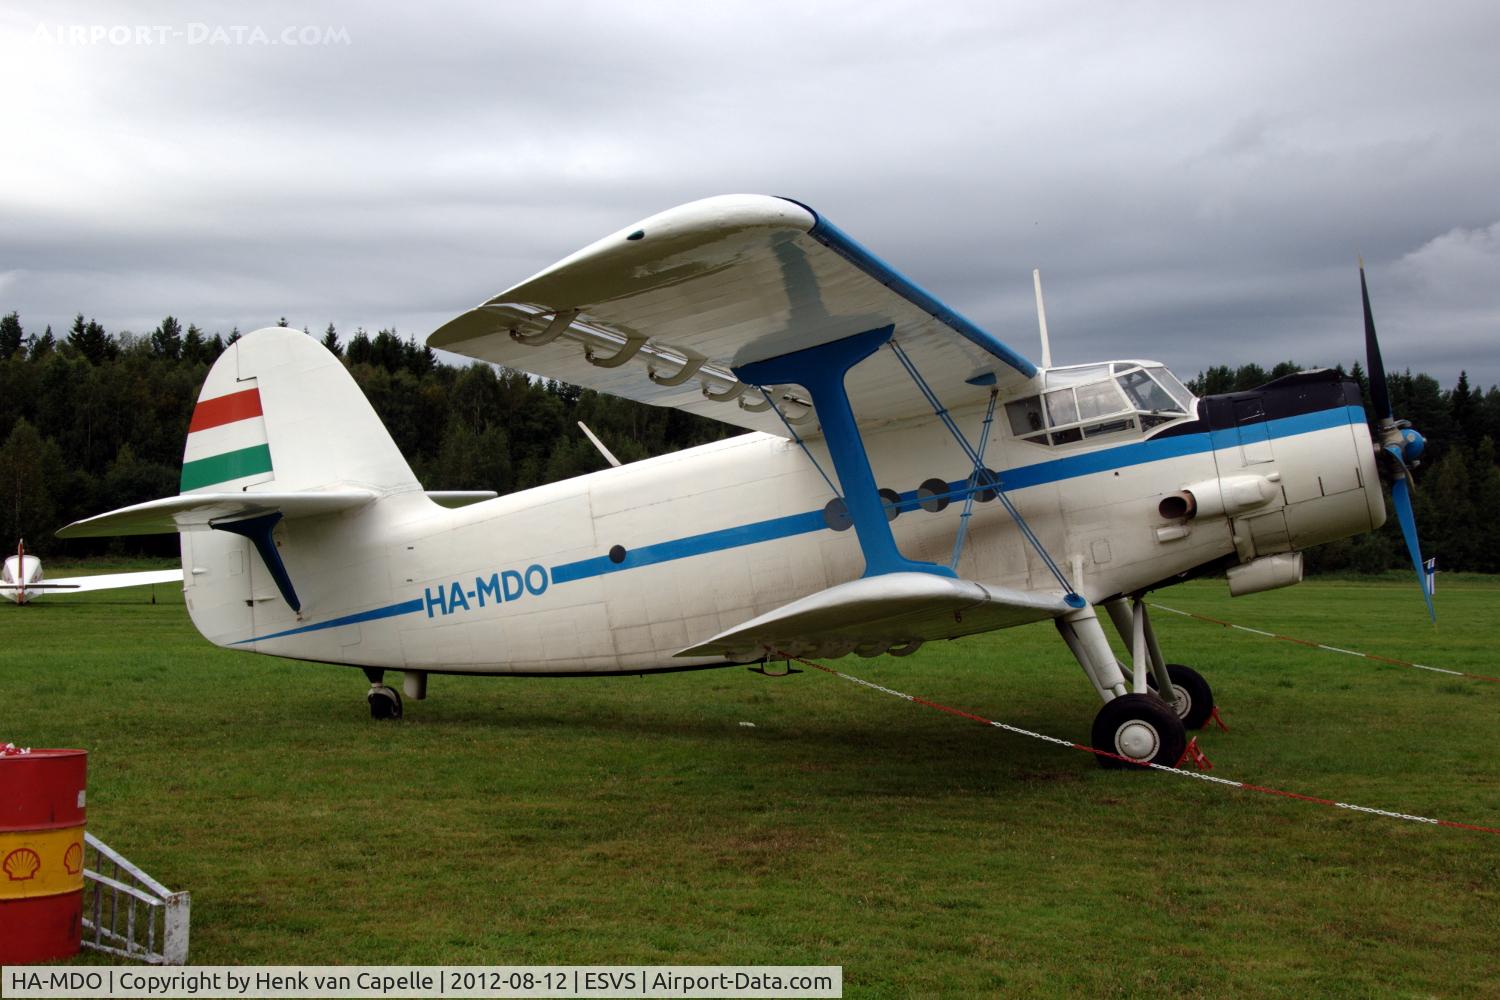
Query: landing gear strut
(1192, 698)
(1136, 726)
(385, 702)
(1181, 687)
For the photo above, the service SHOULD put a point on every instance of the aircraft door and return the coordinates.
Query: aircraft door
(216, 579)
(1254, 434)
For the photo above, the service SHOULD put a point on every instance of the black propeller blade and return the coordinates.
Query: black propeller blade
(1401, 444)
(1379, 394)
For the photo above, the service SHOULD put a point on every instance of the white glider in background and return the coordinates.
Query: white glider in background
(907, 478)
(23, 581)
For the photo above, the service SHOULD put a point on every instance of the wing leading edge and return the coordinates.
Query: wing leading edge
(663, 311)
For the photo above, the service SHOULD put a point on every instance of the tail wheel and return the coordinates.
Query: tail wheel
(1192, 698)
(385, 703)
(1138, 729)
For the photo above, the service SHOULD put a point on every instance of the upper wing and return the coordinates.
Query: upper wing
(107, 581)
(661, 312)
(874, 614)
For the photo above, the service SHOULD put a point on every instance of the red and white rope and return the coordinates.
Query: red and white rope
(1199, 775)
(1326, 647)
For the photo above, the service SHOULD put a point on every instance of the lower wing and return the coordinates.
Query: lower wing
(893, 612)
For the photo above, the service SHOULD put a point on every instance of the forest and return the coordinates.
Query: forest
(91, 421)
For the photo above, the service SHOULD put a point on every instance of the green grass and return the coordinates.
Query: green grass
(635, 820)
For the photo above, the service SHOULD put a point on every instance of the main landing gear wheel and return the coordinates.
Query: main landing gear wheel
(1191, 696)
(385, 703)
(1141, 728)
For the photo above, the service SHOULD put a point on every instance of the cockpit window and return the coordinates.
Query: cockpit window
(1062, 407)
(1086, 402)
(1025, 415)
(1076, 375)
(1146, 393)
(1176, 388)
(1099, 399)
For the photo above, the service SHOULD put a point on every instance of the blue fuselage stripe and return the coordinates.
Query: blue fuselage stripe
(389, 611)
(693, 545)
(1158, 449)
(791, 525)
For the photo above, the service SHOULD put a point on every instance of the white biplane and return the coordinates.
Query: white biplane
(23, 581)
(908, 478)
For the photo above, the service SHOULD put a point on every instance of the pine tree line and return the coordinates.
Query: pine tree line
(92, 421)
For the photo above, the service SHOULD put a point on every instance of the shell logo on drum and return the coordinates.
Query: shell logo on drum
(21, 864)
(73, 859)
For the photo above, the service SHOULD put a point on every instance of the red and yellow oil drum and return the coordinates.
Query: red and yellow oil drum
(41, 854)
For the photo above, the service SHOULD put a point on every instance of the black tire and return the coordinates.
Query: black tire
(385, 703)
(1140, 727)
(1195, 699)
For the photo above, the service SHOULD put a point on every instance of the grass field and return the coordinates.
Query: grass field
(637, 820)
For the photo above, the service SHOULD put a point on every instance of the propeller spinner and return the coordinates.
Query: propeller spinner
(1399, 445)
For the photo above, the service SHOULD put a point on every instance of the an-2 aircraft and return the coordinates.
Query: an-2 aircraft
(22, 579)
(908, 477)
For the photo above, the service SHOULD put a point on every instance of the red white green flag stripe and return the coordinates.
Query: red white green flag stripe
(226, 444)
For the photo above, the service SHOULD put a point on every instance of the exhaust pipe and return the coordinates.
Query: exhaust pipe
(1227, 497)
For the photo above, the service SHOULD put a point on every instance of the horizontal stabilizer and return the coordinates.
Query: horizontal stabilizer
(198, 511)
(460, 498)
(879, 613)
(109, 581)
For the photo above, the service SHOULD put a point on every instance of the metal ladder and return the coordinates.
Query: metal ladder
(128, 913)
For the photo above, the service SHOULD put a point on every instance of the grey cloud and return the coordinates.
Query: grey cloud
(1193, 180)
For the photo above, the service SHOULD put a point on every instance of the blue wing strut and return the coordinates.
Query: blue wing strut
(821, 370)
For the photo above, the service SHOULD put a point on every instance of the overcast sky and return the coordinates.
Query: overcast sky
(1193, 179)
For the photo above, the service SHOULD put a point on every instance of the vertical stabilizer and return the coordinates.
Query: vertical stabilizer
(278, 412)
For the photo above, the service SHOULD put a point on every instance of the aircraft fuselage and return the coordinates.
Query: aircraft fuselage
(17, 573)
(616, 571)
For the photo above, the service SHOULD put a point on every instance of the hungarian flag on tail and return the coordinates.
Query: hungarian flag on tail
(226, 444)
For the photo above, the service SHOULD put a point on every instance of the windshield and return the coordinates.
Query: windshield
(1146, 392)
